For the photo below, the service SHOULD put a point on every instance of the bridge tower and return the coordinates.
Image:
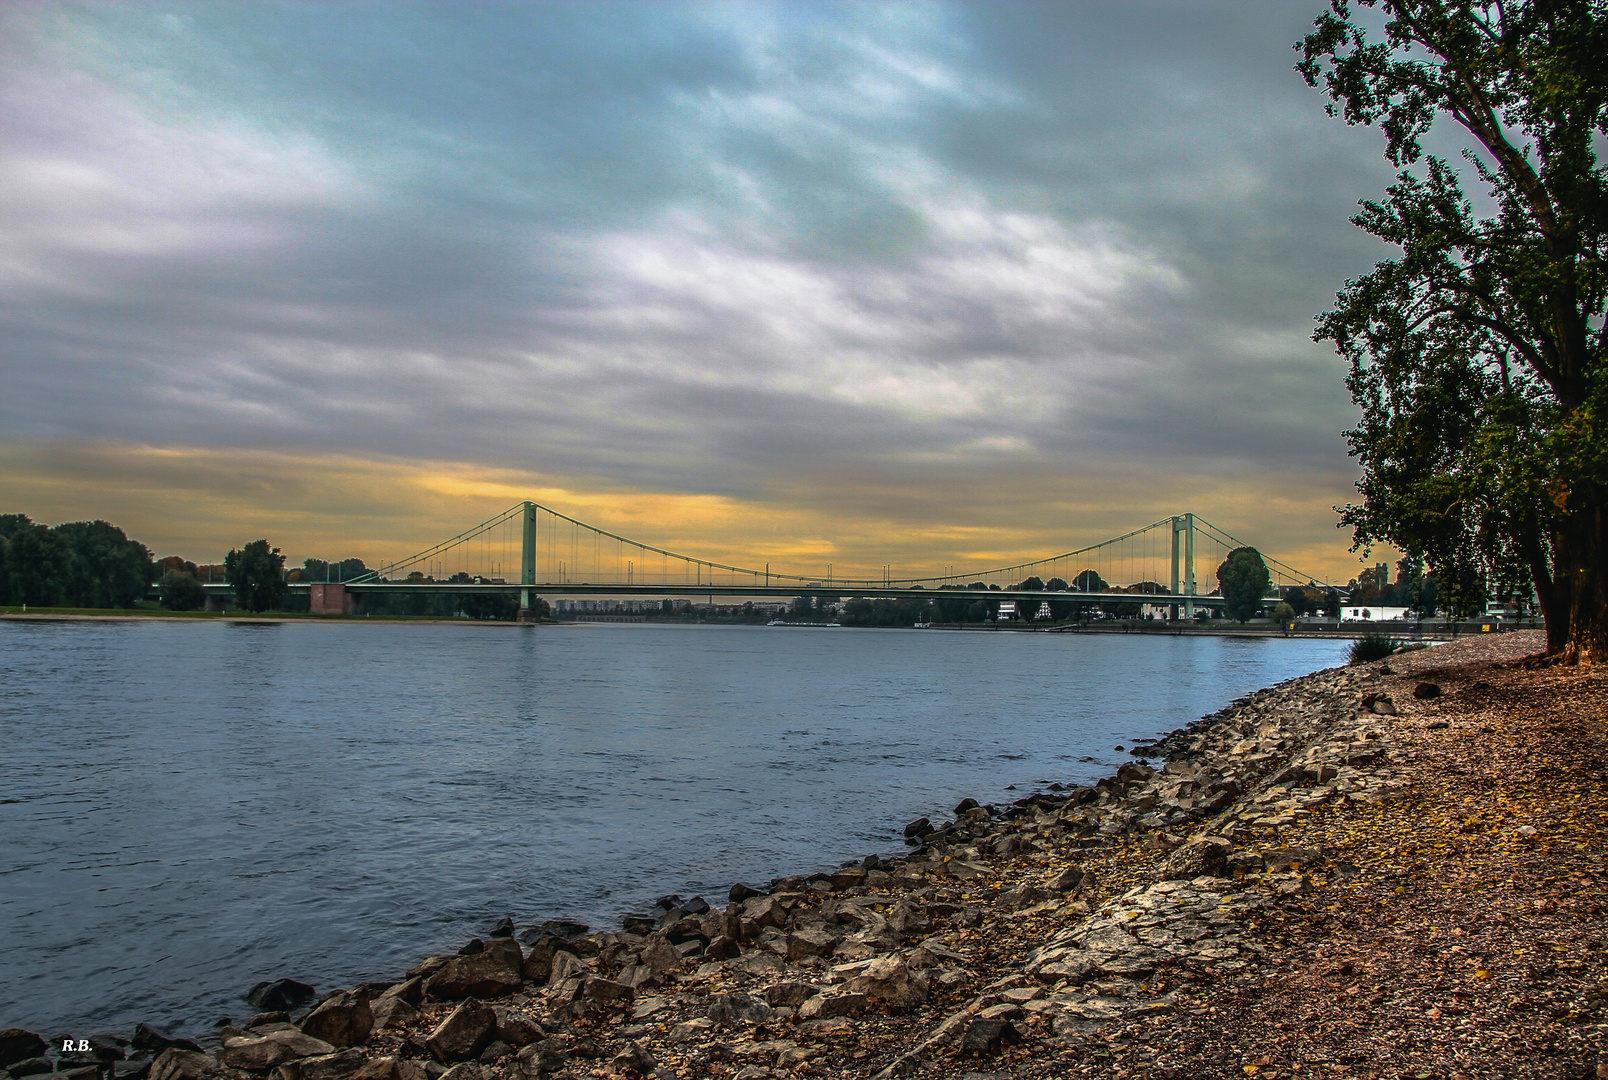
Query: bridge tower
(1186, 526)
(527, 562)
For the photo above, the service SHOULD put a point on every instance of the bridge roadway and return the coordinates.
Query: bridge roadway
(769, 592)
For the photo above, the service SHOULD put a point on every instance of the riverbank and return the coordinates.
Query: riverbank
(1343, 632)
(1332, 877)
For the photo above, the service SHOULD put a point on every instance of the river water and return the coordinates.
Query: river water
(190, 807)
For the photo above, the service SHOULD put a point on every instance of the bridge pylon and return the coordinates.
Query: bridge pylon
(1184, 525)
(527, 562)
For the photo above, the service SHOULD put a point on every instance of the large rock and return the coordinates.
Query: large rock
(341, 1065)
(726, 1010)
(342, 1020)
(280, 994)
(465, 1032)
(606, 991)
(259, 1053)
(827, 1006)
(890, 981)
(516, 1029)
(19, 1045)
(389, 1068)
(149, 1039)
(658, 954)
(496, 970)
(539, 1060)
(176, 1064)
(566, 965)
(391, 1011)
(809, 942)
(1204, 856)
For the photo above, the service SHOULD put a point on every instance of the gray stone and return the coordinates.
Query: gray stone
(463, 1033)
(692, 1029)
(341, 1065)
(496, 970)
(726, 1010)
(280, 994)
(634, 1056)
(540, 1060)
(566, 965)
(606, 991)
(389, 1068)
(983, 1035)
(388, 1011)
(342, 1020)
(466, 1070)
(828, 1006)
(658, 954)
(790, 995)
(890, 981)
(176, 1064)
(154, 1041)
(516, 1029)
(1204, 856)
(809, 942)
(260, 1053)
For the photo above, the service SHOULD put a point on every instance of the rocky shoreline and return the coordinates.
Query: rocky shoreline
(1034, 939)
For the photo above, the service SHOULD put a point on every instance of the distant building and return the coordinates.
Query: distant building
(1007, 610)
(1373, 613)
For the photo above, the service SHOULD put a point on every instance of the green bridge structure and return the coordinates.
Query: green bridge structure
(557, 555)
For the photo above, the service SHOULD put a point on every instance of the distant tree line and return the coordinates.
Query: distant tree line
(91, 564)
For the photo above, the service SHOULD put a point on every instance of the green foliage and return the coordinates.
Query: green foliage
(1089, 581)
(1479, 356)
(1371, 647)
(257, 575)
(899, 612)
(182, 592)
(39, 566)
(108, 570)
(1283, 614)
(1244, 582)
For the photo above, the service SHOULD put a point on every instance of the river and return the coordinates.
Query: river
(190, 807)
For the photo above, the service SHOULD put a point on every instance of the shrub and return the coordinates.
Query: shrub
(1370, 647)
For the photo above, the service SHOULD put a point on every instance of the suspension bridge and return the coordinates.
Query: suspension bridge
(530, 549)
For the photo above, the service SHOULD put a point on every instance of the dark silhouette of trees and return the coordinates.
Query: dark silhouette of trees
(256, 572)
(1244, 581)
(1479, 355)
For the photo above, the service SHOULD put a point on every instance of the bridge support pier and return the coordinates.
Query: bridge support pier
(328, 599)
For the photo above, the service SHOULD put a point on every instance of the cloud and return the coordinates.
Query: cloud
(851, 253)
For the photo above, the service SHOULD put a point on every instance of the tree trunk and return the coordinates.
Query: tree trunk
(1577, 618)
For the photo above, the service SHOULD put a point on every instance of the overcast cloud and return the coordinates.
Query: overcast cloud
(864, 260)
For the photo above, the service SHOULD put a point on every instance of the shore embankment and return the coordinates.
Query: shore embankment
(1391, 870)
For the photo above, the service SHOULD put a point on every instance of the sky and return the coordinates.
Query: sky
(921, 284)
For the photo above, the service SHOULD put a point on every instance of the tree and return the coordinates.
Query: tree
(1479, 357)
(182, 592)
(257, 575)
(1089, 581)
(1244, 581)
(108, 569)
(39, 565)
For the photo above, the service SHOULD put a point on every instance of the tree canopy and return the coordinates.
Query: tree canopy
(1478, 354)
(1244, 581)
(256, 573)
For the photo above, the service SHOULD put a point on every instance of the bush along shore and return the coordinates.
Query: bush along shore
(1385, 870)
